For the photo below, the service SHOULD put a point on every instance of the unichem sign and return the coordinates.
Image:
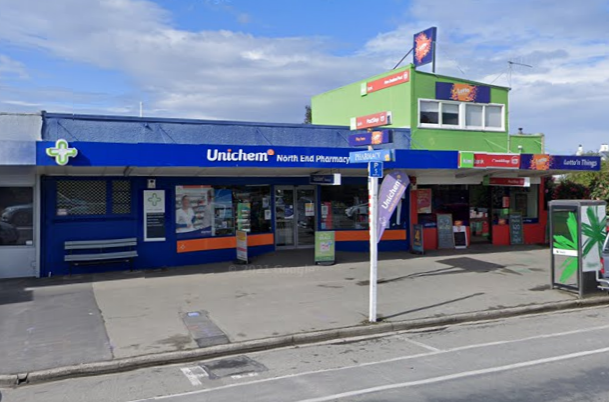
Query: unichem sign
(213, 155)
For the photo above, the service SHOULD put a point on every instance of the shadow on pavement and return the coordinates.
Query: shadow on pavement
(431, 306)
(15, 288)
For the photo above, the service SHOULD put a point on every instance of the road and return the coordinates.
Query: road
(551, 357)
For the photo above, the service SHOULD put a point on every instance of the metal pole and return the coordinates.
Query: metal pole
(433, 60)
(373, 187)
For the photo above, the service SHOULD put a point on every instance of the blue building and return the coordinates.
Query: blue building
(183, 188)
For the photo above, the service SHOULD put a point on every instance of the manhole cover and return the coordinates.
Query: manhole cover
(203, 330)
(232, 366)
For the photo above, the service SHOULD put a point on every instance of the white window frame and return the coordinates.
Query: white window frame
(461, 126)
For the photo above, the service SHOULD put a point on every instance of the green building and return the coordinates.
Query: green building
(443, 113)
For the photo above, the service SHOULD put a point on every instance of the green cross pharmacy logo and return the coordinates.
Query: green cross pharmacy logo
(154, 199)
(62, 152)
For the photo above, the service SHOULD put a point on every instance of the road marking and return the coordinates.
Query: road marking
(422, 345)
(194, 374)
(395, 359)
(456, 376)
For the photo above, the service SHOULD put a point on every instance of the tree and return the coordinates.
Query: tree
(308, 115)
(599, 188)
(570, 190)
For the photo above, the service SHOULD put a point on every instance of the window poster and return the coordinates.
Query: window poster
(424, 201)
(202, 211)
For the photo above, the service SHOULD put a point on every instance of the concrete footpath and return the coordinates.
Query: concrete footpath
(55, 322)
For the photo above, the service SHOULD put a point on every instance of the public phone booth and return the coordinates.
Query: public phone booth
(578, 229)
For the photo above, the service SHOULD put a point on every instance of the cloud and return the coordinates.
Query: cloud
(11, 68)
(239, 76)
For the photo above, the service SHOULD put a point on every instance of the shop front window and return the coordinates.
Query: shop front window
(90, 197)
(525, 201)
(344, 207)
(16, 215)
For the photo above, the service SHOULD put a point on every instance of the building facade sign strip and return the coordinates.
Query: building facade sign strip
(228, 156)
(385, 82)
(543, 162)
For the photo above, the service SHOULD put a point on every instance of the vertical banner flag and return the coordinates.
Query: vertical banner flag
(424, 43)
(393, 187)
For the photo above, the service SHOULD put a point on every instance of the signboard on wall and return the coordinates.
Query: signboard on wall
(496, 161)
(385, 82)
(559, 162)
(463, 92)
(446, 238)
(516, 229)
(423, 46)
(507, 181)
(154, 215)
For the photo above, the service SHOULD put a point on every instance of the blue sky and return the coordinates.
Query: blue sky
(262, 60)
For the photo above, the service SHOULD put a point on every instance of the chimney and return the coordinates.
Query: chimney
(520, 130)
(580, 150)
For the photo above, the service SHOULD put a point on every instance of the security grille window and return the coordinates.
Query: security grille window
(121, 197)
(81, 197)
(460, 115)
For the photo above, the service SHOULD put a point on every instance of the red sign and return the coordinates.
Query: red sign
(424, 201)
(372, 120)
(385, 82)
(497, 161)
(509, 182)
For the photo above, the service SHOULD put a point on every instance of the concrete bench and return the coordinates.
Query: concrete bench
(89, 252)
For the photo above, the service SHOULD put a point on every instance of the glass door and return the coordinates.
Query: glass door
(294, 216)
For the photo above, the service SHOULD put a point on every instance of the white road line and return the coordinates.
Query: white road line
(194, 374)
(422, 345)
(239, 376)
(395, 359)
(457, 376)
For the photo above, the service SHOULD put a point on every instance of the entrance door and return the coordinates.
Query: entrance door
(295, 216)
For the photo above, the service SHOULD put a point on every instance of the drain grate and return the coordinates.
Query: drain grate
(203, 330)
(231, 367)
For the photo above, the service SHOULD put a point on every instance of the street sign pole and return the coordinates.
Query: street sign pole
(373, 188)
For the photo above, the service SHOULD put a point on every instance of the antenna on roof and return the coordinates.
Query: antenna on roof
(511, 65)
(141, 109)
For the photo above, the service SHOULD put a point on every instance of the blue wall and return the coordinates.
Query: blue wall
(134, 130)
(58, 229)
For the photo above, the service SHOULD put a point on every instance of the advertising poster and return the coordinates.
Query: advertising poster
(244, 210)
(309, 209)
(242, 245)
(593, 234)
(417, 239)
(324, 248)
(202, 211)
(154, 215)
(424, 201)
(424, 47)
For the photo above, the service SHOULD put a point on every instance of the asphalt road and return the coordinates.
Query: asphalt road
(551, 357)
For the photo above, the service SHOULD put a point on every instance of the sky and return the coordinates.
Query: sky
(262, 60)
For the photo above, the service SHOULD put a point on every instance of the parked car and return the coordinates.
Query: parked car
(18, 215)
(8, 234)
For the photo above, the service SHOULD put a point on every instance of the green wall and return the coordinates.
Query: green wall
(463, 140)
(531, 144)
(338, 106)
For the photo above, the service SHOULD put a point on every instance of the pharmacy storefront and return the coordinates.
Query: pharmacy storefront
(185, 203)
